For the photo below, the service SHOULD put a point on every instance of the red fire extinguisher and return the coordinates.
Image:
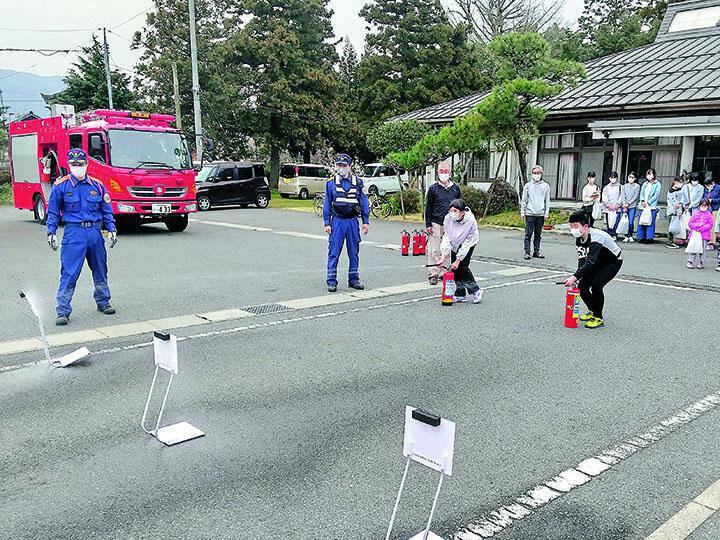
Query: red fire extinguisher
(423, 243)
(572, 307)
(405, 243)
(448, 288)
(416, 243)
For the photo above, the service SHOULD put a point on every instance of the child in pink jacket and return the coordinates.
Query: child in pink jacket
(702, 221)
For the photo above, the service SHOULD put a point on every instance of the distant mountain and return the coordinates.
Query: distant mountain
(21, 91)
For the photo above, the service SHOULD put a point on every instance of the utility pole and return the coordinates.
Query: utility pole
(106, 51)
(195, 83)
(176, 90)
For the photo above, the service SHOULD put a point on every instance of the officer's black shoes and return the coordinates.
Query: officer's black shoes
(332, 288)
(107, 310)
(357, 285)
(62, 320)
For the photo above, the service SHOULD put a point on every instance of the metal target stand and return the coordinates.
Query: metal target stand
(63, 361)
(430, 441)
(165, 347)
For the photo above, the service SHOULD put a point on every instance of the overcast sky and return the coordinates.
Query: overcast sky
(37, 24)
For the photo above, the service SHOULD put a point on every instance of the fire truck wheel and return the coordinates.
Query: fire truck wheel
(40, 212)
(177, 223)
(204, 203)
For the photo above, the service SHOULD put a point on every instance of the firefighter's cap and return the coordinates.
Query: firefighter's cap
(76, 155)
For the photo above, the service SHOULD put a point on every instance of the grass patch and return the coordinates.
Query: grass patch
(513, 219)
(276, 201)
(6, 197)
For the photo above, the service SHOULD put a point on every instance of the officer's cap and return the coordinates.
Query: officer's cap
(343, 159)
(76, 155)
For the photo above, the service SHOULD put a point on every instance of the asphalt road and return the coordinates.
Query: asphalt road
(304, 418)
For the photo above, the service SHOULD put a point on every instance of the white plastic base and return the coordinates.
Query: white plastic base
(177, 433)
(71, 358)
(431, 536)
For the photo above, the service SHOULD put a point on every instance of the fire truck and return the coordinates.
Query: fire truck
(141, 159)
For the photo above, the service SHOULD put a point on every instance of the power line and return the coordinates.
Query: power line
(44, 52)
(76, 46)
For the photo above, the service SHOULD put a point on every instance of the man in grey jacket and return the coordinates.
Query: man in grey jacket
(535, 209)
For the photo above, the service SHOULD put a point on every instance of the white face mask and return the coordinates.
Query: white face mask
(343, 171)
(78, 171)
(591, 181)
(694, 182)
(650, 178)
(444, 177)
(536, 177)
(631, 179)
(613, 180)
(457, 216)
(577, 233)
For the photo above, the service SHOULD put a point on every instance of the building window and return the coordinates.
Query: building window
(550, 141)
(567, 140)
(669, 141)
(479, 169)
(695, 19)
(643, 141)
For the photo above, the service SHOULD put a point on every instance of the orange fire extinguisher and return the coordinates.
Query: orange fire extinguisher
(405, 243)
(448, 288)
(572, 307)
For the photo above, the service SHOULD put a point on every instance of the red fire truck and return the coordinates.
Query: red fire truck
(142, 160)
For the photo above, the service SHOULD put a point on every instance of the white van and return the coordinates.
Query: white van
(380, 178)
(302, 180)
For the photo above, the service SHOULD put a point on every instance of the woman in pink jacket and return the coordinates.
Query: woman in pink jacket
(701, 221)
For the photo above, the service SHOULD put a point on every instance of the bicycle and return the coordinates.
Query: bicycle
(380, 206)
(319, 203)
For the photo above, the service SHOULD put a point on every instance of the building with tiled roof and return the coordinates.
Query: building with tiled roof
(653, 106)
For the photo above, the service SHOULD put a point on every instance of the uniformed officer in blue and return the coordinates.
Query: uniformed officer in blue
(84, 204)
(344, 203)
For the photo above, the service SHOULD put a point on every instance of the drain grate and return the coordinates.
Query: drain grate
(264, 309)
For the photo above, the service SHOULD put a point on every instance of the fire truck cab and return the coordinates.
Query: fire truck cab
(143, 162)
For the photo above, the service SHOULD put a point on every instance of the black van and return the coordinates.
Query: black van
(232, 183)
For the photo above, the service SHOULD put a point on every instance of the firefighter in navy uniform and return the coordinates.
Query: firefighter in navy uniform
(84, 204)
(344, 203)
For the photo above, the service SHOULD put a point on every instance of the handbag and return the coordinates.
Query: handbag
(624, 225)
(675, 227)
(646, 216)
(597, 210)
(611, 219)
(695, 245)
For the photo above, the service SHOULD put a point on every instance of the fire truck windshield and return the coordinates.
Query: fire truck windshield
(134, 149)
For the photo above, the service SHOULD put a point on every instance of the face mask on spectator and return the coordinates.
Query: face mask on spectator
(694, 182)
(536, 177)
(577, 233)
(444, 177)
(613, 180)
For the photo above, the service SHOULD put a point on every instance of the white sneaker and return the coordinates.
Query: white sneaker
(477, 296)
(460, 299)
(631, 239)
(626, 240)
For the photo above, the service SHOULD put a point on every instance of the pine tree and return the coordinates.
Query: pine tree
(348, 64)
(414, 57)
(87, 84)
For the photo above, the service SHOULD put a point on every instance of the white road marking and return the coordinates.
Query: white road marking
(516, 271)
(303, 235)
(682, 524)
(588, 469)
(232, 225)
(225, 315)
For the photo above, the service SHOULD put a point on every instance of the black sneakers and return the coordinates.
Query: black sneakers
(357, 286)
(62, 320)
(107, 310)
(332, 288)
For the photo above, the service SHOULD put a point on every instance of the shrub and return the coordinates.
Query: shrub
(4, 176)
(504, 198)
(411, 198)
(474, 198)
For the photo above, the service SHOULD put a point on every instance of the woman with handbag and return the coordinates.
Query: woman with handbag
(611, 200)
(591, 199)
(649, 200)
(630, 199)
(677, 201)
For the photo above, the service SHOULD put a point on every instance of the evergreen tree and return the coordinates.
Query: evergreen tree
(87, 84)
(281, 66)
(414, 57)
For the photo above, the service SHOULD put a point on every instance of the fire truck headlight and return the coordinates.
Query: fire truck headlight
(126, 208)
(190, 207)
